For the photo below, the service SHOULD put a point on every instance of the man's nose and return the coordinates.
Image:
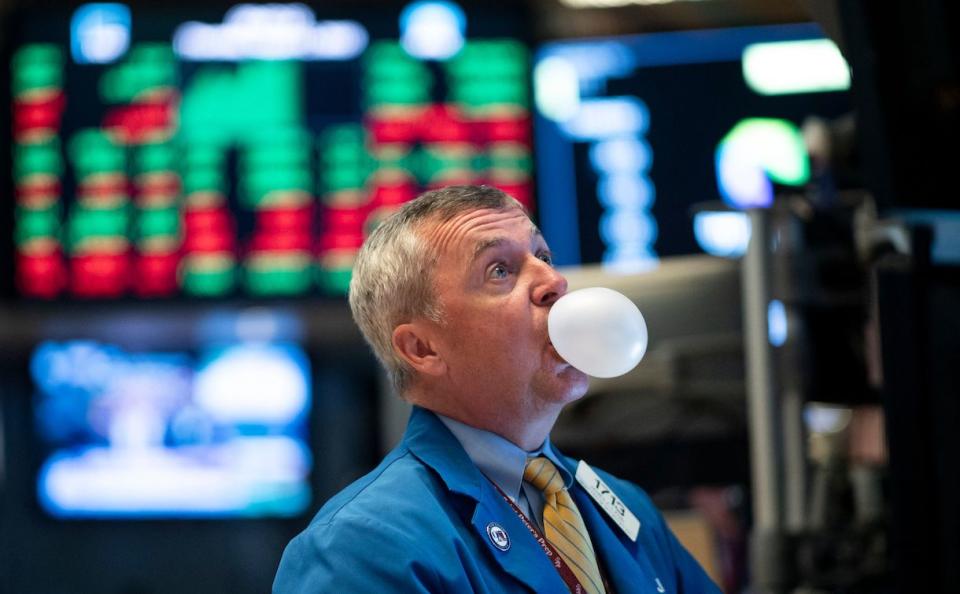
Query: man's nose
(550, 285)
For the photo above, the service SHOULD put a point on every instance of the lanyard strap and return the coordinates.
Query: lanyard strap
(566, 574)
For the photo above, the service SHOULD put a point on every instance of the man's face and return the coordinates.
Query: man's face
(495, 284)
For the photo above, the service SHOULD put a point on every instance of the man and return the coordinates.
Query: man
(452, 293)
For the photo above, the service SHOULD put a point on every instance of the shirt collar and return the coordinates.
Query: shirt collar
(499, 459)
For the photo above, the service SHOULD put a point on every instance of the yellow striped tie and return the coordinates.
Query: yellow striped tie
(562, 524)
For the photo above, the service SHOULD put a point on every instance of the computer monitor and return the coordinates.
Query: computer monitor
(631, 132)
(218, 433)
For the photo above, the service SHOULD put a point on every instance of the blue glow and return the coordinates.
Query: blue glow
(432, 29)
(741, 179)
(610, 58)
(256, 324)
(946, 232)
(157, 435)
(593, 61)
(99, 33)
(724, 234)
(776, 323)
(625, 190)
(621, 155)
(630, 259)
(80, 366)
(623, 227)
(607, 117)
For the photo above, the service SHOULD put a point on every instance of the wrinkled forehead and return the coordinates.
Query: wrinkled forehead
(463, 233)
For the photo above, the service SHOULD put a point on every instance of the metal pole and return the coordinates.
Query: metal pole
(794, 462)
(767, 541)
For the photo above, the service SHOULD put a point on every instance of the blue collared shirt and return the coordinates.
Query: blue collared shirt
(502, 461)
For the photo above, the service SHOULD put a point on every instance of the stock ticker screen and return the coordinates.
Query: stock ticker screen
(247, 150)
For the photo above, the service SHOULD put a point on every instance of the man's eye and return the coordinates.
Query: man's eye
(546, 257)
(499, 271)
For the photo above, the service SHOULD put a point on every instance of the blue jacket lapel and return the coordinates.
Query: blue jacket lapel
(524, 560)
(433, 444)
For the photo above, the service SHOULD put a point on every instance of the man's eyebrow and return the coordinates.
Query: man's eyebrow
(487, 244)
(494, 242)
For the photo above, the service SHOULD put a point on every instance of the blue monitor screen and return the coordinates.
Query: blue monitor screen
(630, 132)
(218, 433)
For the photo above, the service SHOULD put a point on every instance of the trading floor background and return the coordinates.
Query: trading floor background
(187, 185)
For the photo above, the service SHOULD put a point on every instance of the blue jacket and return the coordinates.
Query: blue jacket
(418, 523)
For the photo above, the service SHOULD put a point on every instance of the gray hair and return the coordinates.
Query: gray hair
(392, 280)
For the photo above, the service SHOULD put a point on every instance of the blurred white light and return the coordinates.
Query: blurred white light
(253, 383)
(809, 66)
(273, 458)
(625, 190)
(825, 418)
(724, 234)
(104, 43)
(595, 61)
(623, 227)
(608, 117)
(776, 323)
(248, 476)
(136, 425)
(432, 30)
(270, 32)
(99, 33)
(621, 155)
(556, 88)
(740, 176)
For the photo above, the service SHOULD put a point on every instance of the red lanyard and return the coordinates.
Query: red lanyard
(566, 574)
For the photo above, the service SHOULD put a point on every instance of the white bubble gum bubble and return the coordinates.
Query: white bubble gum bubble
(599, 331)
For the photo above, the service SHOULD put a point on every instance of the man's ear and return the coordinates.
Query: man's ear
(413, 344)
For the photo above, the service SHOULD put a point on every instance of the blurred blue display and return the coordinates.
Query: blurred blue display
(99, 33)
(139, 435)
(628, 131)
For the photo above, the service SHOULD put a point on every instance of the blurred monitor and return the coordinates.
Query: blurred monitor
(131, 453)
(214, 151)
(630, 132)
(218, 433)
